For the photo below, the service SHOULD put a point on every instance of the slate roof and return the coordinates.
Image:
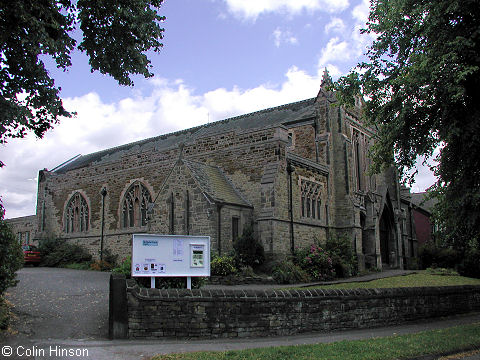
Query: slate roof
(419, 200)
(260, 119)
(215, 184)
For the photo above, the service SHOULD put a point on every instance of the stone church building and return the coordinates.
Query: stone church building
(297, 172)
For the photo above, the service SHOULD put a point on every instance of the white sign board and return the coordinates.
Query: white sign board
(170, 255)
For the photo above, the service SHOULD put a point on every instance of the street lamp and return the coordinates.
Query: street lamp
(103, 193)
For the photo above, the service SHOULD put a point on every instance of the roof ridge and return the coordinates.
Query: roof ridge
(153, 138)
(264, 110)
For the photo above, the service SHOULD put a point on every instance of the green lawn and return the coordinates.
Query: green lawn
(393, 347)
(421, 278)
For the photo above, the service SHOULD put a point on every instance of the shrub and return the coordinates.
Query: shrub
(109, 258)
(247, 271)
(171, 282)
(58, 252)
(79, 266)
(470, 266)
(5, 313)
(286, 272)
(248, 250)
(11, 256)
(343, 256)
(431, 255)
(223, 265)
(98, 265)
(316, 262)
(125, 267)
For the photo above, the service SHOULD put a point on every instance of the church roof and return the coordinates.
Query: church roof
(215, 184)
(420, 199)
(260, 119)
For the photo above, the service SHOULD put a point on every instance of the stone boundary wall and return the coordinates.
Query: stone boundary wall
(156, 313)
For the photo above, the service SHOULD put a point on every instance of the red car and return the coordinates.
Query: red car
(31, 255)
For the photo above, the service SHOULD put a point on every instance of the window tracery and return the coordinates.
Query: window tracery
(76, 214)
(311, 201)
(360, 148)
(135, 205)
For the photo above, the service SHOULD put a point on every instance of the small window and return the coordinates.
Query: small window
(291, 139)
(235, 221)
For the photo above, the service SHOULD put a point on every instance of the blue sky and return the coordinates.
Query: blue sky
(221, 58)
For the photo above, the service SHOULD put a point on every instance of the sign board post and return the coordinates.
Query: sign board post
(170, 256)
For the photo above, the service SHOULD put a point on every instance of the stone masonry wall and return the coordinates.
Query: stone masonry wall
(150, 166)
(155, 313)
(24, 228)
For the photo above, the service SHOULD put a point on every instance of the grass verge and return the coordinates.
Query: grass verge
(392, 347)
(421, 278)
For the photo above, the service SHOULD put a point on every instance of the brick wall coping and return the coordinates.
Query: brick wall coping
(228, 295)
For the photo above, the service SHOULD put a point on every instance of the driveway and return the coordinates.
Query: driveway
(55, 303)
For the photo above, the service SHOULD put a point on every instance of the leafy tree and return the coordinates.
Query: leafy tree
(11, 256)
(421, 83)
(115, 35)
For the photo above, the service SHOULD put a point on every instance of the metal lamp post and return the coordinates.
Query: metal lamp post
(103, 193)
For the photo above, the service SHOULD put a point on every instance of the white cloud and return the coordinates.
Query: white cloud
(348, 44)
(423, 180)
(335, 25)
(251, 9)
(336, 50)
(425, 177)
(283, 37)
(170, 106)
(361, 11)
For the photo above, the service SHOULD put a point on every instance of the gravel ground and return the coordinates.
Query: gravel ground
(55, 303)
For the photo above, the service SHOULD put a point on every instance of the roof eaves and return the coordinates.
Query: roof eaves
(236, 191)
(323, 169)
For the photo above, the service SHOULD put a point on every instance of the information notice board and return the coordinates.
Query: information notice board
(170, 255)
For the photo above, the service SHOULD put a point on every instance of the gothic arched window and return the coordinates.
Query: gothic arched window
(135, 205)
(76, 214)
(360, 150)
(311, 193)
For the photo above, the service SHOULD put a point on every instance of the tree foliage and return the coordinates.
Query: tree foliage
(115, 35)
(11, 256)
(421, 83)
